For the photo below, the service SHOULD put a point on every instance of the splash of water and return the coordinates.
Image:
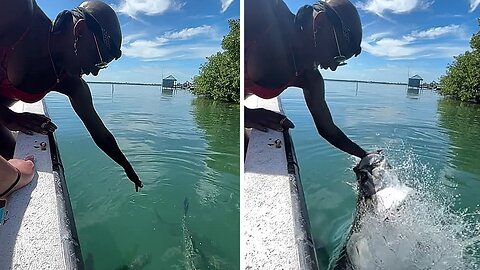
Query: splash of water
(426, 232)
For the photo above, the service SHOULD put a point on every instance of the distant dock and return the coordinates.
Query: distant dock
(177, 86)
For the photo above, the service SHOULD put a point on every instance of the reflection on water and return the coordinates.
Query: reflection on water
(174, 157)
(215, 117)
(440, 135)
(168, 92)
(461, 121)
(413, 93)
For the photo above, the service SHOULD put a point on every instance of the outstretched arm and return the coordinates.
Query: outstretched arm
(314, 93)
(81, 100)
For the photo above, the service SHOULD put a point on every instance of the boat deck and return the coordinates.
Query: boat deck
(275, 228)
(37, 230)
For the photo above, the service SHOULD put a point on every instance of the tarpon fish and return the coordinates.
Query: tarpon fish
(379, 193)
(194, 258)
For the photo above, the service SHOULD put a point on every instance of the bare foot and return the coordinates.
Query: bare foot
(26, 168)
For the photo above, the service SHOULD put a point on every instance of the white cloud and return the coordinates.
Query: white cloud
(379, 7)
(127, 39)
(150, 51)
(377, 36)
(413, 45)
(189, 32)
(169, 45)
(390, 48)
(147, 7)
(226, 4)
(473, 5)
(436, 32)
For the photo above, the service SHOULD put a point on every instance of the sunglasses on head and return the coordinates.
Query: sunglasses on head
(337, 22)
(94, 25)
(102, 64)
(339, 59)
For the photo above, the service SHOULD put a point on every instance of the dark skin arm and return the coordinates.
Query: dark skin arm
(314, 93)
(81, 100)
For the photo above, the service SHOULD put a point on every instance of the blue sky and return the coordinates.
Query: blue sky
(162, 36)
(402, 37)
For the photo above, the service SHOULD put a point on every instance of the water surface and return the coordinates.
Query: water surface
(185, 149)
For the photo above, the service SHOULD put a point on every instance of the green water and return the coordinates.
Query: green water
(431, 141)
(182, 147)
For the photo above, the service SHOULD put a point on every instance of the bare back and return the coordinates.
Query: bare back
(24, 29)
(15, 17)
(268, 42)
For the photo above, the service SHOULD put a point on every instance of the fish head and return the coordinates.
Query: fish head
(370, 174)
(379, 187)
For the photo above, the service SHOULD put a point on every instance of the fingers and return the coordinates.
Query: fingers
(138, 185)
(276, 121)
(49, 126)
(263, 120)
(25, 130)
(287, 123)
(256, 126)
(132, 176)
(30, 122)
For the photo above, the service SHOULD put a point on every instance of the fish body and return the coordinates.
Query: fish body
(380, 193)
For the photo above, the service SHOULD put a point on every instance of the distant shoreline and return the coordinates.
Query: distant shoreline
(333, 80)
(361, 81)
(125, 83)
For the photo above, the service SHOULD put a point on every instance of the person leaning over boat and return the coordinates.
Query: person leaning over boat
(283, 50)
(38, 56)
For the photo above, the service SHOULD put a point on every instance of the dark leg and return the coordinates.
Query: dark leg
(7, 143)
(246, 137)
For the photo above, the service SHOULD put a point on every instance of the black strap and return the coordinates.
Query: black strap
(13, 185)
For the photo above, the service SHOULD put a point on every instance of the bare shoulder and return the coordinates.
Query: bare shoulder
(15, 16)
(261, 14)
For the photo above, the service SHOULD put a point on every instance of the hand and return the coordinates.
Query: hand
(132, 175)
(368, 160)
(263, 120)
(29, 123)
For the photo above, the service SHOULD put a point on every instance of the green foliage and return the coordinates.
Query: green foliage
(462, 81)
(219, 77)
(475, 41)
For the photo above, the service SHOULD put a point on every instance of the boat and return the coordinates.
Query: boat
(274, 220)
(37, 228)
